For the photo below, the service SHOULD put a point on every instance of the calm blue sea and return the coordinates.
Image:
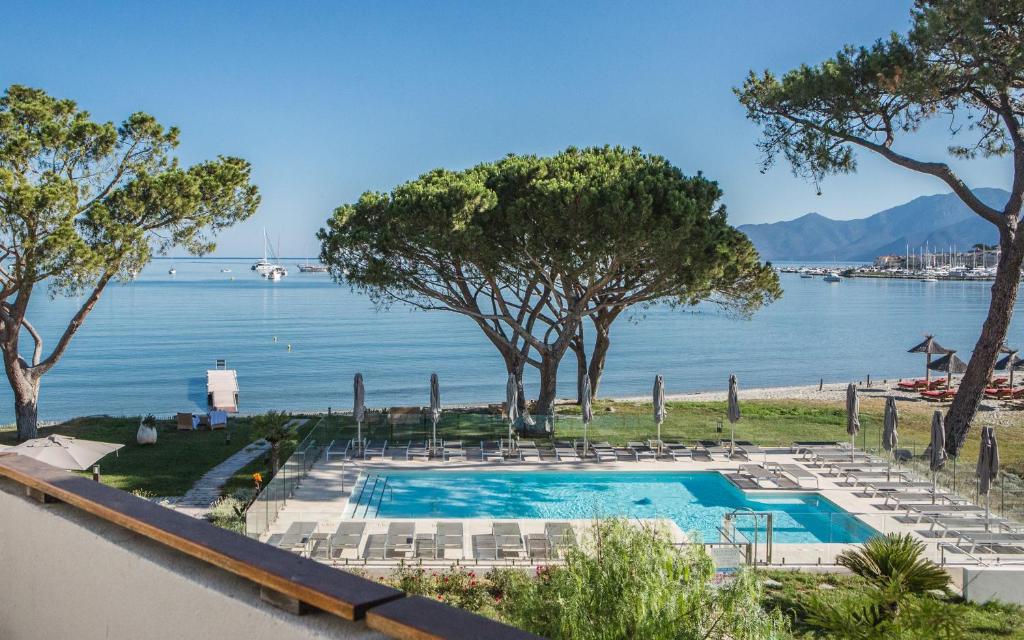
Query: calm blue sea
(695, 501)
(147, 345)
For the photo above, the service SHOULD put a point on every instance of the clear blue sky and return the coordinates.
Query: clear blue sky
(330, 99)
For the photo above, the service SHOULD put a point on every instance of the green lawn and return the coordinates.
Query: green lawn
(982, 622)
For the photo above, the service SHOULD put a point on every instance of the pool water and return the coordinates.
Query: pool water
(696, 501)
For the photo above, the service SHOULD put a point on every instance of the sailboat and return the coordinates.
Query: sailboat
(311, 267)
(172, 271)
(266, 267)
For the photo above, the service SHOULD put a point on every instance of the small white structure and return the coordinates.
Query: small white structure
(222, 388)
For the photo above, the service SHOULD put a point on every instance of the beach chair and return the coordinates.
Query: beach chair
(796, 473)
(856, 476)
(218, 420)
(899, 498)
(376, 546)
(528, 449)
(912, 385)
(491, 450)
(418, 451)
(759, 476)
(346, 537)
(375, 449)
(187, 422)
(677, 451)
(927, 509)
(453, 450)
(509, 539)
(641, 451)
(424, 547)
(844, 468)
(337, 449)
(449, 538)
(537, 547)
(1002, 541)
(560, 536)
(566, 454)
(295, 537)
(939, 395)
(400, 539)
(748, 449)
(875, 488)
(485, 547)
(710, 448)
(953, 525)
(603, 452)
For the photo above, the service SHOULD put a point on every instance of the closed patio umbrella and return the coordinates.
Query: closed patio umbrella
(435, 406)
(358, 408)
(65, 452)
(936, 450)
(659, 404)
(852, 417)
(587, 410)
(949, 364)
(733, 410)
(988, 466)
(890, 438)
(929, 347)
(512, 402)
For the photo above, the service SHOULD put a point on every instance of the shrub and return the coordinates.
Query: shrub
(631, 582)
(229, 511)
(895, 565)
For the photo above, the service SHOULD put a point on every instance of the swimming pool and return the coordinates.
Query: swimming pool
(696, 501)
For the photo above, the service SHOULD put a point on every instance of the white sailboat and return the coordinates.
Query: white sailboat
(267, 267)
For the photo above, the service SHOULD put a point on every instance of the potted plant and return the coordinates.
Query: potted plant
(147, 430)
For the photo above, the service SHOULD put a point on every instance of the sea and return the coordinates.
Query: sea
(297, 343)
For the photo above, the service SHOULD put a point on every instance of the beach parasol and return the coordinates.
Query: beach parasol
(65, 452)
(587, 410)
(1010, 362)
(358, 408)
(988, 466)
(435, 405)
(929, 347)
(852, 417)
(936, 450)
(890, 437)
(733, 410)
(512, 403)
(659, 404)
(949, 364)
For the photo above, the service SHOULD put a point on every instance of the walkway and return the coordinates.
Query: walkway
(206, 491)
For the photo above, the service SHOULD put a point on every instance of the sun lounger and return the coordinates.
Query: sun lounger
(845, 468)
(453, 449)
(640, 450)
(491, 450)
(424, 547)
(528, 449)
(449, 539)
(337, 449)
(538, 547)
(856, 476)
(417, 451)
(346, 537)
(603, 451)
(926, 509)
(218, 420)
(712, 449)
(970, 540)
(953, 525)
(560, 535)
(296, 536)
(509, 539)
(376, 546)
(759, 475)
(400, 539)
(875, 488)
(485, 547)
(566, 454)
(939, 395)
(677, 451)
(796, 473)
(919, 497)
(912, 385)
(748, 448)
(187, 422)
(375, 448)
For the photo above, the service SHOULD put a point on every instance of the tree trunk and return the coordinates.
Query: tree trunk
(602, 343)
(26, 398)
(275, 457)
(581, 368)
(548, 384)
(993, 335)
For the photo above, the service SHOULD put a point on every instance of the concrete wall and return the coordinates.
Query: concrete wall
(1004, 583)
(66, 574)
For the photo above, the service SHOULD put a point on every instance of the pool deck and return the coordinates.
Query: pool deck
(323, 497)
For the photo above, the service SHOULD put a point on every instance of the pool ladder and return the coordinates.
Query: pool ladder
(378, 487)
(729, 531)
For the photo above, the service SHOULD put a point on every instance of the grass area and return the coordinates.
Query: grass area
(981, 621)
(243, 477)
(168, 468)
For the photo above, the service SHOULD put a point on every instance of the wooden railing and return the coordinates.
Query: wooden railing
(285, 579)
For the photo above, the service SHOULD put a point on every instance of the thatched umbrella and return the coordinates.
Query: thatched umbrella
(1010, 362)
(852, 417)
(936, 450)
(587, 410)
(659, 404)
(733, 410)
(988, 466)
(949, 364)
(512, 402)
(358, 408)
(930, 348)
(435, 405)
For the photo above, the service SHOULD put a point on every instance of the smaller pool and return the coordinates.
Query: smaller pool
(696, 501)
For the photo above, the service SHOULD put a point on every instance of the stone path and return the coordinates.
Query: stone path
(206, 491)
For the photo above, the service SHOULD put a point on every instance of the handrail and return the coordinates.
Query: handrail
(769, 528)
(284, 577)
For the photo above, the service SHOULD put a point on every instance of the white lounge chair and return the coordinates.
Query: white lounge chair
(375, 449)
(417, 451)
(641, 450)
(677, 451)
(491, 451)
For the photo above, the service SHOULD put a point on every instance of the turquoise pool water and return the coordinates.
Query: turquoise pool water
(695, 501)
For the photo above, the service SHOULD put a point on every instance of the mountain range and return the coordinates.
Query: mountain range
(940, 221)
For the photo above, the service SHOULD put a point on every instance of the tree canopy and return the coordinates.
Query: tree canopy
(529, 247)
(962, 61)
(85, 202)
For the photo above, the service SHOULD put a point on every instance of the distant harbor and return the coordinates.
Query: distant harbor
(979, 263)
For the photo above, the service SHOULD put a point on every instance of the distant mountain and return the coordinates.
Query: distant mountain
(939, 221)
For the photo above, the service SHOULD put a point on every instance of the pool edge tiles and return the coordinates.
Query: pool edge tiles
(695, 501)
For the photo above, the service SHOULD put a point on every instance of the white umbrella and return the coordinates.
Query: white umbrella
(512, 402)
(852, 417)
(890, 437)
(659, 404)
(587, 410)
(65, 452)
(435, 405)
(358, 408)
(988, 466)
(734, 410)
(936, 451)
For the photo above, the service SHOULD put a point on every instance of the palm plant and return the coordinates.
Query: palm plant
(896, 566)
(273, 428)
